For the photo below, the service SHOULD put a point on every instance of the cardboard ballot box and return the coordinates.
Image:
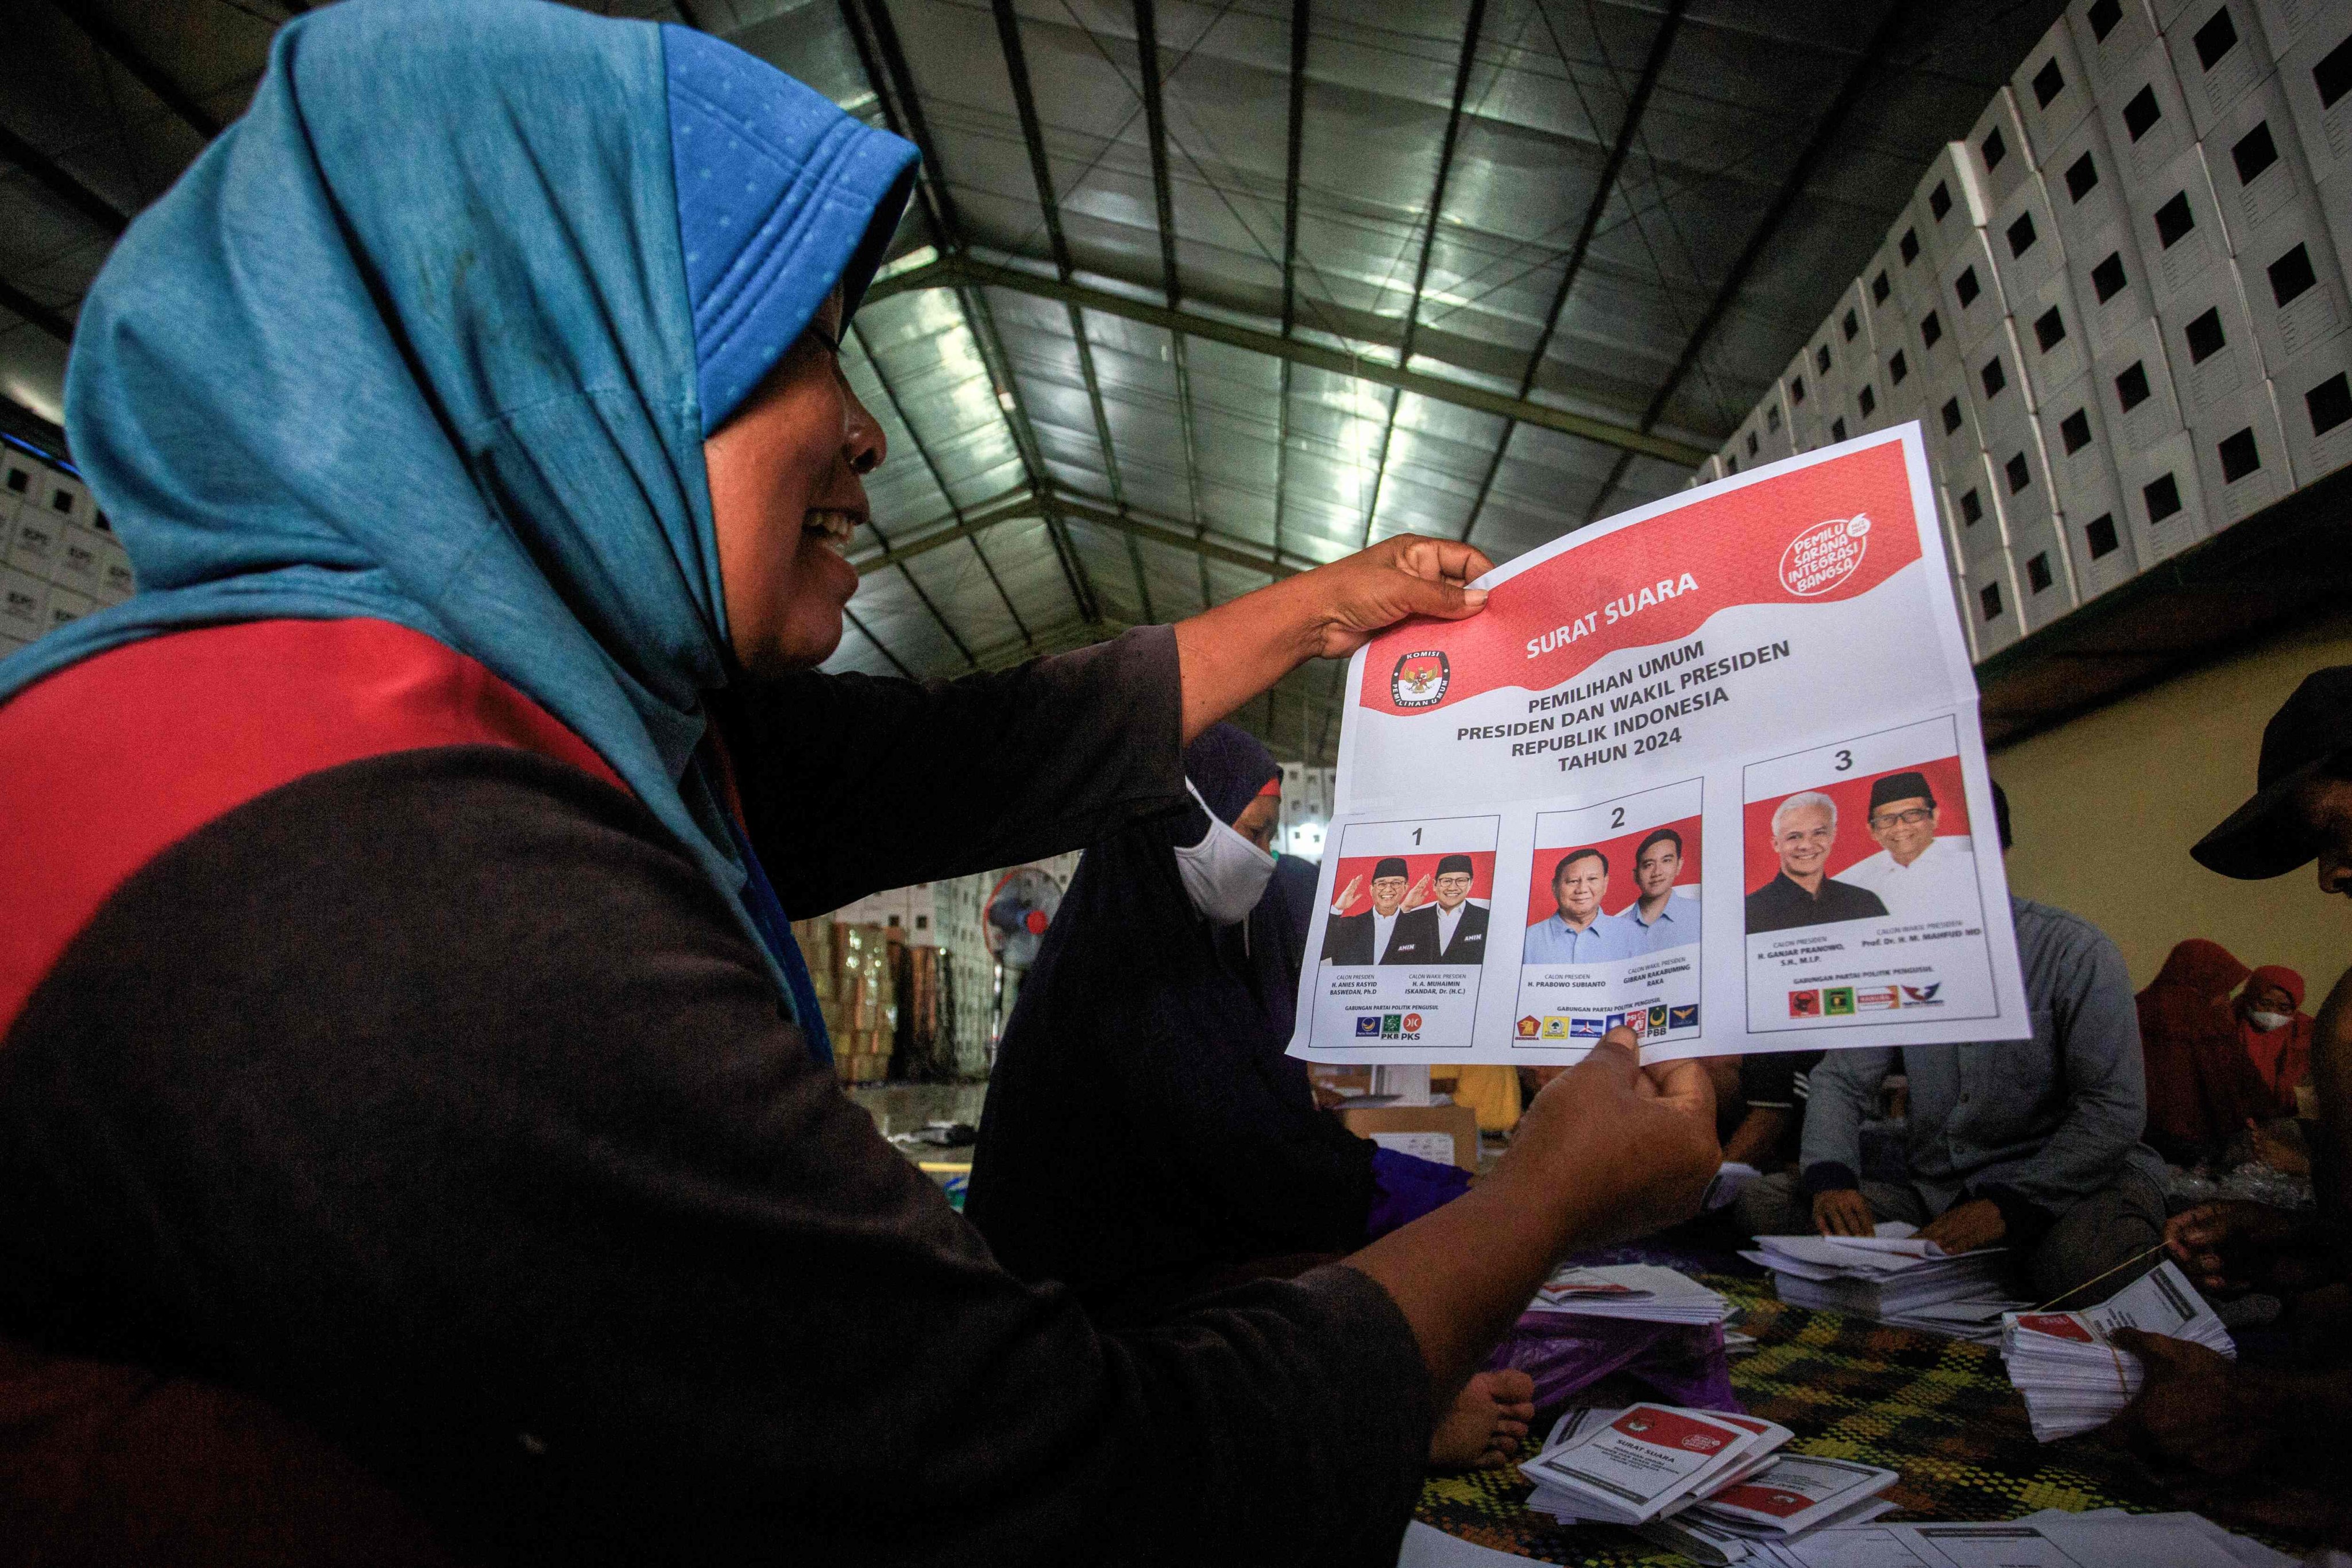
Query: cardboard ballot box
(1458, 1123)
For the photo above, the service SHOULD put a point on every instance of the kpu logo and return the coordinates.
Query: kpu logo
(1419, 680)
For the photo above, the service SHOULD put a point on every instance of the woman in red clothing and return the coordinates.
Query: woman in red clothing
(399, 1018)
(2196, 1081)
(2277, 1033)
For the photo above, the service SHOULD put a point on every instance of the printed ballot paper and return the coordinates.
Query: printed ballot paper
(1709, 769)
(2074, 1377)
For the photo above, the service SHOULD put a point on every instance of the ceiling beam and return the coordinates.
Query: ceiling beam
(1639, 100)
(867, 632)
(1033, 134)
(1826, 130)
(50, 321)
(890, 394)
(952, 272)
(111, 42)
(1477, 21)
(1137, 526)
(876, 37)
(1020, 502)
(1155, 129)
(1294, 140)
(53, 177)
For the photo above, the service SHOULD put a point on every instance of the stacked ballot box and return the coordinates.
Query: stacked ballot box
(58, 559)
(2119, 309)
(855, 976)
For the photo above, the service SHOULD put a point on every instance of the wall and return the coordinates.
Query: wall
(2105, 807)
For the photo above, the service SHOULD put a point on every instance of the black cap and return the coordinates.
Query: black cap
(1391, 867)
(1901, 786)
(1456, 863)
(2261, 837)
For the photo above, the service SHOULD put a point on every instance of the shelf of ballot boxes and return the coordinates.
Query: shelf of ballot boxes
(56, 566)
(1999, 152)
(2146, 119)
(2314, 395)
(2315, 68)
(1999, 396)
(2108, 38)
(852, 972)
(1988, 607)
(2051, 91)
(2027, 245)
(2164, 501)
(2098, 537)
(1969, 293)
(2220, 52)
(2081, 464)
(1948, 206)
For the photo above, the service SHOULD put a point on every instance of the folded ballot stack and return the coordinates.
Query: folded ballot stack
(1701, 1481)
(1644, 1292)
(2073, 1377)
(1891, 1277)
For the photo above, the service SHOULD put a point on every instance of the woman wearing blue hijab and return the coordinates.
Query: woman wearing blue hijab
(399, 1021)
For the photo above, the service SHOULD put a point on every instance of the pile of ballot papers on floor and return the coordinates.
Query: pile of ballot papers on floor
(2073, 1377)
(1700, 1482)
(1642, 1292)
(1893, 1278)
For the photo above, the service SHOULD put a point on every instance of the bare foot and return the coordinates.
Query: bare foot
(1486, 1422)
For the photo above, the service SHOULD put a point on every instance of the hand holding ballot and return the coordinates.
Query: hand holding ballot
(1716, 764)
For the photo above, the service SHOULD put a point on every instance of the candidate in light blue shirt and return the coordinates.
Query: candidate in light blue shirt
(1579, 932)
(1657, 920)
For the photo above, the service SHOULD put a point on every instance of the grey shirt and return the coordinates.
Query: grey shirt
(2048, 1121)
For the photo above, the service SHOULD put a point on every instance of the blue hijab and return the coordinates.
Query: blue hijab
(433, 335)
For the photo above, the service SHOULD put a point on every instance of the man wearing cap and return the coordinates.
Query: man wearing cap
(1451, 930)
(1369, 937)
(1579, 932)
(1803, 894)
(2029, 1145)
(2194, 1407)
(1657, 920)
(1917, 875)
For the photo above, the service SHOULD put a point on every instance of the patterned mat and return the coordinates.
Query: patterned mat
(1939, 1412)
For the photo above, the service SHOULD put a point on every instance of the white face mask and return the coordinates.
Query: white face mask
(2266, 1022)
(1224, 874)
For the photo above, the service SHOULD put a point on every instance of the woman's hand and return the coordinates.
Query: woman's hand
(1402, 576)
(1231, 653)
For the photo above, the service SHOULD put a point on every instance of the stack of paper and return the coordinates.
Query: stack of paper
(1789, 1499)
(1642, 1291)
(1891, 1277)
(1628, 1467)
(2074, 1378)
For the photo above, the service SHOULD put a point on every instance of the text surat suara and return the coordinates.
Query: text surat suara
(1659, 782)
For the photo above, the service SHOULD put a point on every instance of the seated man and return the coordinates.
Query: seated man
(1771, 1091)
(2195, 1407)
(2032, 1145)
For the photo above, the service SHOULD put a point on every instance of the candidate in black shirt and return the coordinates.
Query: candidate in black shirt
(1804, 829)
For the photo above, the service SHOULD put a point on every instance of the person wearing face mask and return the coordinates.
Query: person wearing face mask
(402, 1037)
(1145, 1139)
(2276, 1034)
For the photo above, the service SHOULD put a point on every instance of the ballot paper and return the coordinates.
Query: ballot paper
(2074, 1376)
(1644, 1292)
(1710, 771)
(2044, 1541)
(1893, 1278)
(1642, 1462)
(1795, 1493)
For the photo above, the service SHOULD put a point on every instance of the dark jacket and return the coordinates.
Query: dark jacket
(369, 1051)
(1782, 905)
(1417, 938)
